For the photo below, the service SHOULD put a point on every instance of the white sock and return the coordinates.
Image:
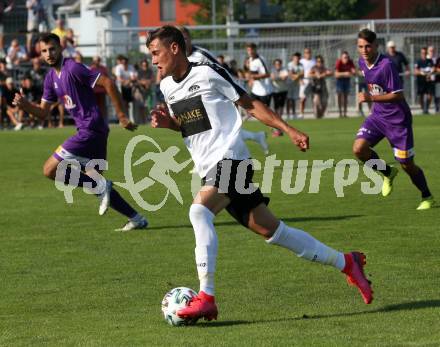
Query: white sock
(248, 135)
(206, 245)
(306, 246)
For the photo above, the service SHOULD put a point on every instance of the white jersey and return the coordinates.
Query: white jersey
(201, 55)
(203, 104)
(307, 65)
(261, 87)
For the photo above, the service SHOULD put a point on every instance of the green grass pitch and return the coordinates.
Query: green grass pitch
(68, 279)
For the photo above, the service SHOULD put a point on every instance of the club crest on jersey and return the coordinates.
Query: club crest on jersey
(194, 88)
(375, 89)
(68, 103)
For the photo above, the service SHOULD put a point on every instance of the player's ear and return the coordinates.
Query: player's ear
(174, 48)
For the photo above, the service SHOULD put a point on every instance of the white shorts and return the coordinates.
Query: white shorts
(62, 154)
(305, 89)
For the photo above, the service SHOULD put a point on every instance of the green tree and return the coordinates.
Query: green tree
(428, 9)
(323, 10)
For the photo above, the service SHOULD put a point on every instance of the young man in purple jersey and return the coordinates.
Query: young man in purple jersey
(73, 83)
(390, 118)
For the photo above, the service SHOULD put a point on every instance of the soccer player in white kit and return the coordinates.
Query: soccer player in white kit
(201, 105)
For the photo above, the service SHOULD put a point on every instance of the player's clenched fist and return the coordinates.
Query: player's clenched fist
(160, 118)
(300, 139)
(364, 97)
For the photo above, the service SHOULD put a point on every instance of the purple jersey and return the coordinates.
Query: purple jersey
(382, 78)
(74, 86)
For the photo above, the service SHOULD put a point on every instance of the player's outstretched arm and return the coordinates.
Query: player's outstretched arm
(41, 111)
(116, 99)
(161, 118)
(265, 115)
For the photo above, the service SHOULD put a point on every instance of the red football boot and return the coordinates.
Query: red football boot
(354, 269)
(203, 305)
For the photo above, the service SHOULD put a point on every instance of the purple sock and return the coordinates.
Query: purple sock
(120, 205)
(419, 181)
(387, 171)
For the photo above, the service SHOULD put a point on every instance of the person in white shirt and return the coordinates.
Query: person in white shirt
(125, 76)
(305, 90)
(279, 76)
(201, 102)
(296, 73)
(259, 75)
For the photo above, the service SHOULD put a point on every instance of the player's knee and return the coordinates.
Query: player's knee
(200, 214)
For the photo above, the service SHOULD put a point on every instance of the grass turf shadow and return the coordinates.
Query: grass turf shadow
(404, 306)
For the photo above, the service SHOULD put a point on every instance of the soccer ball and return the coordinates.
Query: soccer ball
(175, 300)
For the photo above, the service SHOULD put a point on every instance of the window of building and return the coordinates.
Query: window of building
(167, 10)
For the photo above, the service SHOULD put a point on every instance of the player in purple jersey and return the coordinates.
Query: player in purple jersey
(390, 118)
(73, 83)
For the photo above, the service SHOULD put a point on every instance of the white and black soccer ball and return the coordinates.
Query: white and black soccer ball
(175, 300)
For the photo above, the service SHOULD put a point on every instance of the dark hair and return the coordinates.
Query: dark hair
(167, 34)
(48, 37)
(297, 54)
(345, 52)
(278, 60)
(319, 57)
(251, 45)
(184, 30)
(367, 35)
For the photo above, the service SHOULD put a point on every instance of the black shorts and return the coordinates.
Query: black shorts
(234, 178)
(279, 99)
(264, 99)
(425, 87)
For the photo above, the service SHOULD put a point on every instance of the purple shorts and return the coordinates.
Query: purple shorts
(400, 137)
(84, 145)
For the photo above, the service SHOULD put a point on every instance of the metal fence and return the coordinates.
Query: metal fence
(280, 40)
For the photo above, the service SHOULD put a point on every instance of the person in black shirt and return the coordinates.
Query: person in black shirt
(424, 70)
(11, 110)
(398, 59)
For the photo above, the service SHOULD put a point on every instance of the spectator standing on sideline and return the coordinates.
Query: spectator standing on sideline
(222, 63)
(99, 91)
(5, 7)
(14, 114)
(305, 89)
(125, 75)
(432, 54)
(344, 69)
(16, 54)
(60, 31)
(399, 60)
(296, 74)
(318, 74)
(35, 20)
(143, 92)
(425, 80)
(279, 76)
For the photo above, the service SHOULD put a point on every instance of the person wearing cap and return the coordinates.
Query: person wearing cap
(398, 59)
(11, 110)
